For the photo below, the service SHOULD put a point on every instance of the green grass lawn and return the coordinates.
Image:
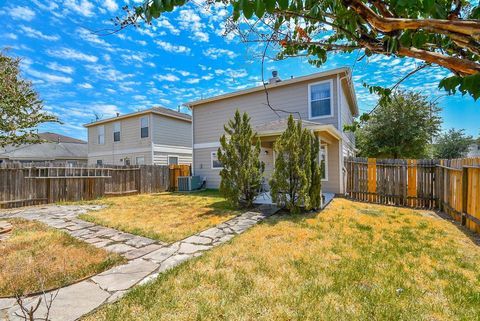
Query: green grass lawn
(36, 257)
(165, 217)
(352, 261)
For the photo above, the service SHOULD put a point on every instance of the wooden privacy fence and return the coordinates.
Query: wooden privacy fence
(458, 183)
(22, 185)
(175, 172)
(449, 185)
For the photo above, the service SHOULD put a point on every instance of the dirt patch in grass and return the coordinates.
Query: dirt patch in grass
(353, 261)
(37, 257)
(166, 217)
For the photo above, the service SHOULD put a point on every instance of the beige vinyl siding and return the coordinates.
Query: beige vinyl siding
(202, 167)
(268, 160)
(129, 136)
(161, 158)
(347, 119)
(332, 184)
(171, 131)
(115, 159)
(209, 118)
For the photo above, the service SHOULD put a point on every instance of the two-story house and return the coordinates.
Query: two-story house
(324, 101)
(155, 136)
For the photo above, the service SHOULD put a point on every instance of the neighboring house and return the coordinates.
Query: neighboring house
(54, 148)
(474, 150)
(157, 136)
(324, 101)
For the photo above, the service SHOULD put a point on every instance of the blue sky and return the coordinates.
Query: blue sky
(181, 57)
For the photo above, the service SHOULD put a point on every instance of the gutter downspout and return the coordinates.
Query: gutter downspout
(342, 169)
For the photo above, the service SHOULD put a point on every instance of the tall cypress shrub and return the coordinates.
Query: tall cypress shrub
(291, 179)
(242, 169)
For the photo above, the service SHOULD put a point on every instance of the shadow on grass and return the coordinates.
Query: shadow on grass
(474, 237)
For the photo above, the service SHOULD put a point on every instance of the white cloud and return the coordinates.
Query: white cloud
(49, 77)
(167, 77)
(32, 33)
(191, 21)
(172, 48)
(215, 53)
(68, 53)
(9, 35)
(192, 81)
(82, 7)
(107, 73)
(110, 5)
(163, 22)
(57, 67)
(22, 13)
(91, 37)
(85, 85)
(184, 73)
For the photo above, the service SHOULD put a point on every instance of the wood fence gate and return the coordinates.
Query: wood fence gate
(449, 185)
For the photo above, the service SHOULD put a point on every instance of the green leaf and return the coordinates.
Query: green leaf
(259, 8)
(158, 4)
(283, 4)
(475, 13)
(248, 9)
(270, 5)
(168, 5)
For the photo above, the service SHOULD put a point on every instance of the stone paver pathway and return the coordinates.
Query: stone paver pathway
(147, 258)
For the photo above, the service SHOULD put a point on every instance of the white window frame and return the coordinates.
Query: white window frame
(330, 82)
(326, 160)
(211, 160)
(99, 162)
(173, 156)
(115, 124)
(136, 160)
(148, 126)
(102, 135)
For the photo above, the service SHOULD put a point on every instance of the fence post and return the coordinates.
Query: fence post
(372, 179)
(464, 195)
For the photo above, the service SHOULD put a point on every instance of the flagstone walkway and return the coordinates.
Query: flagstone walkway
(147, 258)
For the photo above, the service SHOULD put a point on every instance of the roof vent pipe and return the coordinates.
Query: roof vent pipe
(274, 78)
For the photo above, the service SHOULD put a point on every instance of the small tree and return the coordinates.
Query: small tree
(20, 108)
(242, 169)
(402, 127)
(452, 144)
(291, 183)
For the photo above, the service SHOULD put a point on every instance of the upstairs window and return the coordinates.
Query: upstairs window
(140, 160)
(116, 131)
(144, 127)
(101, 135)
(320, 99)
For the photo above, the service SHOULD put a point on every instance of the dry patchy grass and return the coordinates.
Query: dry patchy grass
(166, 217)
(36, 257)
(352, 261)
